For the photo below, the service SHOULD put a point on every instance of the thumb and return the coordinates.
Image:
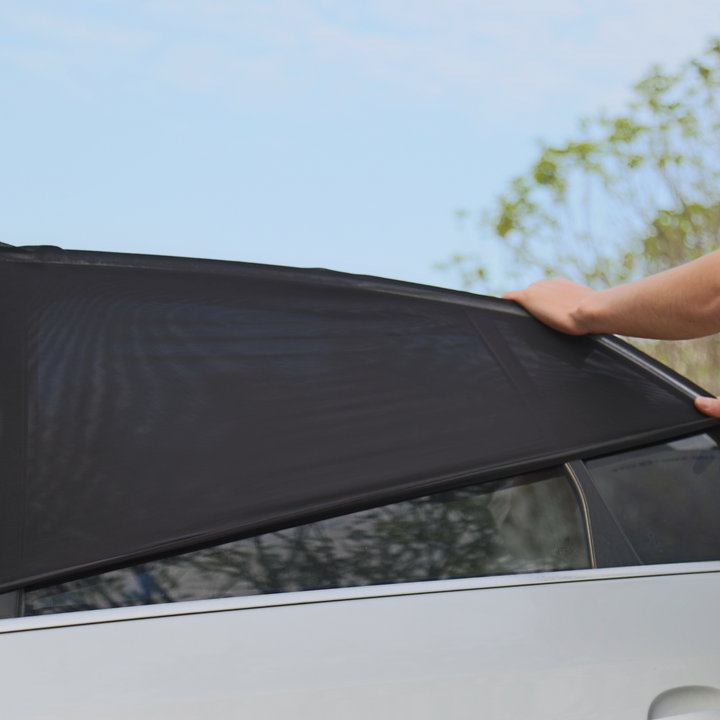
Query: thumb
(709, 406)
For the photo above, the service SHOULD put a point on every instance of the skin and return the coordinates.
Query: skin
(677, 304)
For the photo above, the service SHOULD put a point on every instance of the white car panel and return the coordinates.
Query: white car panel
(595, 648)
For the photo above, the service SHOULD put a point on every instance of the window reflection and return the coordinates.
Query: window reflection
(525, 524)
(666, 498)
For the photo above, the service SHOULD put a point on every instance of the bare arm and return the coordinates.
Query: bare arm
(677, 304)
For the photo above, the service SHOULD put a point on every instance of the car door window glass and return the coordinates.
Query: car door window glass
(666, 498)
(525, 524)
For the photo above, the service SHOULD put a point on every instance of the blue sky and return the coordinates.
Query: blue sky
(314, 133)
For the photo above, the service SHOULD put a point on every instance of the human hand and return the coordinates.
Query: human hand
(709, 406)
(554, 302)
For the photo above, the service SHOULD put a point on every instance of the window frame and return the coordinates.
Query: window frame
(610, 555)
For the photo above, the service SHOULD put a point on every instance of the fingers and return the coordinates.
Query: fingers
(553, 301)
(709, 406)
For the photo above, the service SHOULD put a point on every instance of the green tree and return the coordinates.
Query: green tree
(631, 194)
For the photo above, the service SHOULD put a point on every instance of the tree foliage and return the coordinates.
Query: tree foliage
(631, 194)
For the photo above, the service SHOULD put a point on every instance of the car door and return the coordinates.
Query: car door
(537, 596)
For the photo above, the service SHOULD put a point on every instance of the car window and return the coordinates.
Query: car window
(666, 498)
(524, 524)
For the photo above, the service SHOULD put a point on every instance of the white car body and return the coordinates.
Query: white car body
(591, 644)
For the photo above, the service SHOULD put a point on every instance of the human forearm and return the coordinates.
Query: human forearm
(677, 304)
(673, 305)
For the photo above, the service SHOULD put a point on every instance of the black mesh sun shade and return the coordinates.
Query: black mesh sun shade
(152, 404)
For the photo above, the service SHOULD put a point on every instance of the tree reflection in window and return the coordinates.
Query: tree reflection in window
(524, 524)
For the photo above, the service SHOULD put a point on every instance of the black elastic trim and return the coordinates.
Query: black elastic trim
(651, 365)
(47, 254)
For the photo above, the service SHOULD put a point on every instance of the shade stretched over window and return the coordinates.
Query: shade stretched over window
(154, 404)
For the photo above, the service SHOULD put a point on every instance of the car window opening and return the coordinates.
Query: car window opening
(526, 524)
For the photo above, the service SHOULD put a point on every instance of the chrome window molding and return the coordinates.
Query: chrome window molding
(584, 510)
(197, 607)
(610, 544)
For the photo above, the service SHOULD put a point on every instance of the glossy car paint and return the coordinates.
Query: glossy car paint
(584, 644)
